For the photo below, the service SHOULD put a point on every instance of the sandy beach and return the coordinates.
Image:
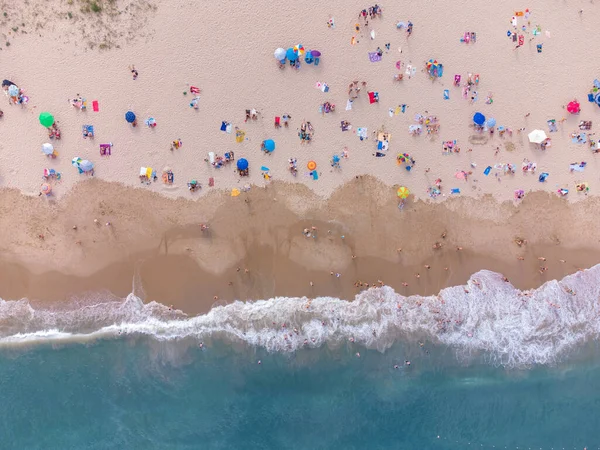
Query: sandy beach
(107, 230)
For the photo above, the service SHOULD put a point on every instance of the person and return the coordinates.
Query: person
(134, 72)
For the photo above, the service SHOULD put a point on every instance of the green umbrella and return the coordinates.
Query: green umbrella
(46, 119)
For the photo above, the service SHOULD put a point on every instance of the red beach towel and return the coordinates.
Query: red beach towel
(95, 106)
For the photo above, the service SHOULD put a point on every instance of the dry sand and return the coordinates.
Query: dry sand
(227, 50)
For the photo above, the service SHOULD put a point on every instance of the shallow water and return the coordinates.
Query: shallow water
(134, 393)
(489, 369)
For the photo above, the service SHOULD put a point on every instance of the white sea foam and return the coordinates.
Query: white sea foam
(487, 316)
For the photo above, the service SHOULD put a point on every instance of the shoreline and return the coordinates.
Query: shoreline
(158, 241)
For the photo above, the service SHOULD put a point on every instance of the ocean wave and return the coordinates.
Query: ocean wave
(487, 316)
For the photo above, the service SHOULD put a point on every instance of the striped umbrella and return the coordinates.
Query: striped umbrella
(403, 192)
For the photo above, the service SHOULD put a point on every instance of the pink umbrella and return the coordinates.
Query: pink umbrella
(573, 107)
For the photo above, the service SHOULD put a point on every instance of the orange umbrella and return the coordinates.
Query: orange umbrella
(46, 189)
(403, 192)
(311, 165)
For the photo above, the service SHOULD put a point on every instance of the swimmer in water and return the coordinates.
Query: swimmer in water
(407, 362)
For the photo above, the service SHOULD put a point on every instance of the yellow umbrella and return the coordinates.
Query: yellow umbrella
(403, 192)
(235, 192)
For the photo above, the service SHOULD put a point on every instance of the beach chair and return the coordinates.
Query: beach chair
(277, 122)
(317, 61)
(87, 131)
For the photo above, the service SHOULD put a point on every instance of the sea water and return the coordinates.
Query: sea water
(490, 367)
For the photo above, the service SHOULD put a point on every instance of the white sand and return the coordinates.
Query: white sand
(226, 48)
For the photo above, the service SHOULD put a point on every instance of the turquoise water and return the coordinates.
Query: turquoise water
(491, 367)
(134, 393)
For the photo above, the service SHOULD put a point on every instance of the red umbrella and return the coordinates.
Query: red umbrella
(573, 107)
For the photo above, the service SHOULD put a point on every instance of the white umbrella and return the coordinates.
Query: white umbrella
(47, 149)
(537, 136)
(86, 165)
(13, 90)
(279, 54)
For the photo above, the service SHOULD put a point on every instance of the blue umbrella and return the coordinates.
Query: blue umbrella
(291, 54)
(479, 119)
(336, 159)
(130, 116)
(242, 164)
(269, 145)
(597, 99)
(491, 122)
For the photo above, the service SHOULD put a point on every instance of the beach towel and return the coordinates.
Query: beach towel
(223, 126)
(194, 90)
(552, 125)
(349, 105)
(239, 136)
(373, 97)
(455, 191)
(578, 138)
(106, 149)
(374, 57)
(211, 182)
(95, 106)
(577, 167)
(362, 133)
(446, 94)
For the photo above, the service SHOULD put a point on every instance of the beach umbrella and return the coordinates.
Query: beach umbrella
(336, 159)
(479, 119)
(235, 192)
(242, 164)
(537, 136)
(403, 192)
(279, 54)
(46, 189)
(316, 53)
(269, 145)
(86, 165)
(312, 165)
(47, 149)
(13, 90)
(46, 119)
(573, 107)
(491, 122)
(299, 49)
(76, 161)
(291, 54)
(130, 116)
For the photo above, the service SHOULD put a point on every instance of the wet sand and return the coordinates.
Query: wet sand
(162, 248)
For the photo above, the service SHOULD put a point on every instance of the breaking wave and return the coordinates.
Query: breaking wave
(487, 316)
